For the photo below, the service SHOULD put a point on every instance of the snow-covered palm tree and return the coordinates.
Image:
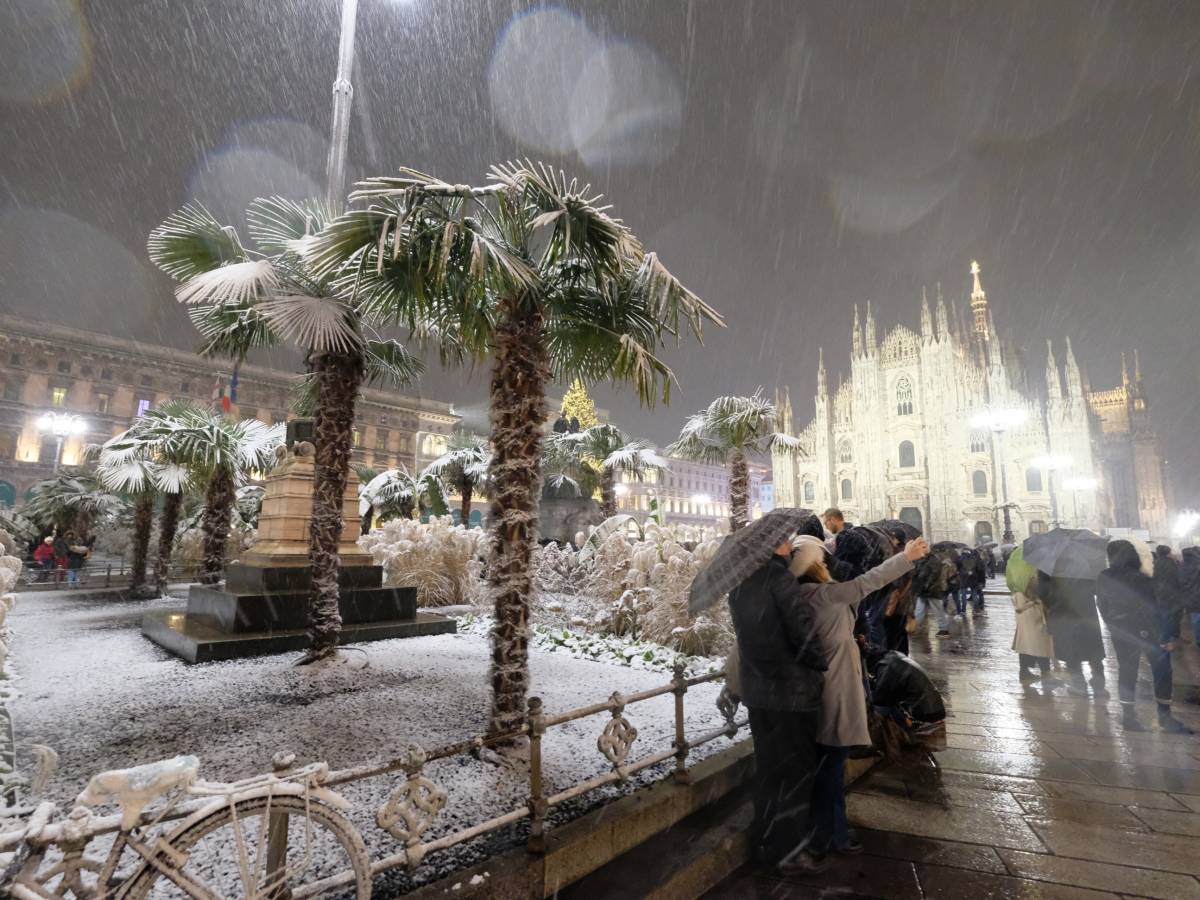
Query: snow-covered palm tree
(132, 463)
(74, 500)
(463, 468)
(609, 452)
(218, 452)
(723, 434)
(533, 271)
(396, 494)
(246, 297)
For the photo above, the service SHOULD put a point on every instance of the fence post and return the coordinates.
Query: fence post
(679, 681)
(537, 797)
(108, 575)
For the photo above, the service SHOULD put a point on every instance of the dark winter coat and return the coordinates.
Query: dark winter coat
(1071, 617)
(1126, 597)
(781, 660)
(1169, 594)
(1189, 579)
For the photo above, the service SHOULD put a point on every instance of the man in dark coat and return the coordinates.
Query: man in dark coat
(781, 666)
(1073, 623)
(1189, 579)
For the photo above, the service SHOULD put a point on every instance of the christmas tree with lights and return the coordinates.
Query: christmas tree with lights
(577, 406)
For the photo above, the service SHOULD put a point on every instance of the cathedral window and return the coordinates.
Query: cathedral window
(845, 454)
(810, 492)
(1037, 526)
(908, 455)
(904, 397)
(979, 442)
(847, 489)
(1033, 480)
(979, 483)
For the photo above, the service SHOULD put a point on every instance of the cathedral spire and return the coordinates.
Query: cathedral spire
(856, 336)
(1124, 370)
(1053, 381)
(979, 306)
(1137, 367)
(869, 330)
(926, 318)
(822, 383)
(783, 409)
(943, 321)
(1074, 381)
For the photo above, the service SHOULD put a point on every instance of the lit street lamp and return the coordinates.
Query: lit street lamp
(62, 426)
(998, 420)
(1053, 462)
(1075, 485)
(1186, 522)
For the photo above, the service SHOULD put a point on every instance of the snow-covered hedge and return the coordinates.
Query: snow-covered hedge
(440, 559)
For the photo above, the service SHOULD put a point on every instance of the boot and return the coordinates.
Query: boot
(1098, 690)
(1168, 722)
(1129, 719)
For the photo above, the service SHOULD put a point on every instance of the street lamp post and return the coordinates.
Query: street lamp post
(343, 94)
(1053, 462)
(999, 420)
(62, 426)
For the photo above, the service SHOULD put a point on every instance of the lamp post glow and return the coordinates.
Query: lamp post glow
(1186, 522)
(1075, 485)
(62, 426)
(998, 420)
(1054, 462)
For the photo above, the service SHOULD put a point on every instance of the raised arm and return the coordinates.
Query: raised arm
(852, 592)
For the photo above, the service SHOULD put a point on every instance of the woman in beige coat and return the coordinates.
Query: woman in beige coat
(843, 721)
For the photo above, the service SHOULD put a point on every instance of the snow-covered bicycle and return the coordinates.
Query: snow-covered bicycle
(278, 836)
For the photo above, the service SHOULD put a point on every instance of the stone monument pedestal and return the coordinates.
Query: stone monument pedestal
(262, 607)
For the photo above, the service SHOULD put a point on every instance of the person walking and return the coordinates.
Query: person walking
(976, 578)
(1139, 610)
(780, 673)
(843, 715)
(1074, 624)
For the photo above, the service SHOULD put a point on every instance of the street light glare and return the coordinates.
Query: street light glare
(1186, 522)
(1054, 461)
(1080, 483)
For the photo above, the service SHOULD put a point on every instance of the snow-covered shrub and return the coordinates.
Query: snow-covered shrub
(10, 573)
(443, 561)
(189, 546)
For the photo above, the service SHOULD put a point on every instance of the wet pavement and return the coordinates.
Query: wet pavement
(1039, 795)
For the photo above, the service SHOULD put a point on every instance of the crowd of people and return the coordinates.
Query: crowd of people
(821, 620)
(65, 551)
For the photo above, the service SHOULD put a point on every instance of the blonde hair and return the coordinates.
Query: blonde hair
(808, 561)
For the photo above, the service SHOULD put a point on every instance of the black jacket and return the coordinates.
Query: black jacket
(1126, 599)
(781, 660)
(1168, 591)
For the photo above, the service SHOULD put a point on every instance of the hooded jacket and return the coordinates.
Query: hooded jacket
(1126, 596)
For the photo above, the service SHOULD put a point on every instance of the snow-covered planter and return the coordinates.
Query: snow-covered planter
(443, 561)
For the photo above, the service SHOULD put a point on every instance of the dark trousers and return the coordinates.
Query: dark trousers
(785, 759)
(831, 830)
(1129, 657)
(1027, 662)
(974, 593)
(896, 633)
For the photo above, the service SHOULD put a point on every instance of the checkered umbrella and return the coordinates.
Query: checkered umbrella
(745, 552)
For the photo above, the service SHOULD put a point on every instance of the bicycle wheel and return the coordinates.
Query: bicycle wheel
(229, 854)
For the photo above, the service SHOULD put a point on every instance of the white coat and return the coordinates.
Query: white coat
(1032, 636)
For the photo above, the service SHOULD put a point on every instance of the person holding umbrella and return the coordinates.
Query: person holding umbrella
(1068, 561)
(781, 665)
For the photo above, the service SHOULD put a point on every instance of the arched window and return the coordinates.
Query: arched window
(904, 397)
(1033, 480)
(845, 454)
(810, 492)
(908, 455)
(847, 489)
(983, 532)
(979, 442)
(979, 483)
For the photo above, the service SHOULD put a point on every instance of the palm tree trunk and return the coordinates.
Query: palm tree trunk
(739, 492)
(167, 522)
(143, 523)
(518, 407)
(467, 495)
(339, 376)
(214, 523)
(608, 493)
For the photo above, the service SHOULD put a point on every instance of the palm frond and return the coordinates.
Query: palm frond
(390, 362)
(279, 225)
(191, 242)
(235, 284)
(324, 324)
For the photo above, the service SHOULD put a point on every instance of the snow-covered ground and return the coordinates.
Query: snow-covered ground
(104, 697)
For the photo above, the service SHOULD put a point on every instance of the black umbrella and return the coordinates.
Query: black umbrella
(1067, 553)
(899, 526)
(955, 546)
(743, 553)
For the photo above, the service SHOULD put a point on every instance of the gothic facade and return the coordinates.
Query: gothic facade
(903, 437)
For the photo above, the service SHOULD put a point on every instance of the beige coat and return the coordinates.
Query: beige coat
(843, 720)
(1032, 637)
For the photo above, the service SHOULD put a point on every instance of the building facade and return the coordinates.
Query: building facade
(901, 438)
(690, 493)
(108, 381)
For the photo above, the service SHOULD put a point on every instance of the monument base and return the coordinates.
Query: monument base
(264, 609)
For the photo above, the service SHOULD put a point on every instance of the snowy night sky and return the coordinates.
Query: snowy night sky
(786, 159)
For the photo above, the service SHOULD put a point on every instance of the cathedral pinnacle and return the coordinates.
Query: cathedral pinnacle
(1074, 380)
(822, 383)
(869, 330)
(856, 336)
(1053, 381)
(1124, 370)
(979, 305)
(926, 318)
(943, 320)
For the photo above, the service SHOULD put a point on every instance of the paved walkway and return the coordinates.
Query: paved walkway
(1038, 796)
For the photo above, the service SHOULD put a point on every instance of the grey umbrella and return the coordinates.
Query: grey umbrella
(743, 553)
(1067, 553)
